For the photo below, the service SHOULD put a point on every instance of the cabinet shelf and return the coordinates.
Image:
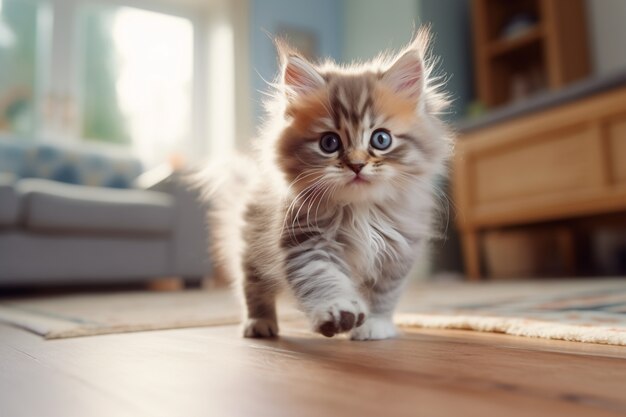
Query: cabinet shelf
(551, 53)
(504, 46)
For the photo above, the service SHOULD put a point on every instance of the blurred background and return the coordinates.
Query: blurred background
(104, 105)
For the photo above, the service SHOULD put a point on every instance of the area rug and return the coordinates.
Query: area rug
(59, 317)
(592, 311)
(589, 310)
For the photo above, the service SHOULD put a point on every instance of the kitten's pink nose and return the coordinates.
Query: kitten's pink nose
(355, 167)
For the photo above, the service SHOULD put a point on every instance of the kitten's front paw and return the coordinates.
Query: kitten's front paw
(375, 328)
(337, 316)
(260, 328)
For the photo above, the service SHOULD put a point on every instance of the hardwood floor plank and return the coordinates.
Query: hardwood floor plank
(211, 371)
(31, 384)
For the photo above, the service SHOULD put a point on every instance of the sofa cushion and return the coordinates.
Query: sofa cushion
(56, 207)
(73, 164)
(9, 201)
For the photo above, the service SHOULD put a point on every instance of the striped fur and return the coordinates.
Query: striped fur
(342, 246)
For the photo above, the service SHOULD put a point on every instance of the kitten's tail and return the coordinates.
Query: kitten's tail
(225, 186)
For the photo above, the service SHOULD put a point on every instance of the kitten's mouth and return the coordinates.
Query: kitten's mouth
(357, 179)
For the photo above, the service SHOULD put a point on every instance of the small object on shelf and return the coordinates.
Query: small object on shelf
(476, 109)
(519, 25)
(527, 83)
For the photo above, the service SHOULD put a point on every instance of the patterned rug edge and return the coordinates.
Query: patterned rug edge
(517, 327)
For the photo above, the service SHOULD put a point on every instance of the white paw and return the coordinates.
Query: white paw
(260, 328)
(338, 315)
(375, 328)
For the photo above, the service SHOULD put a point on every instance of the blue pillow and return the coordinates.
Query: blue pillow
(69, 165)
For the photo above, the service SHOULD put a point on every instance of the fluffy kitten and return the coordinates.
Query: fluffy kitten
(340, 202)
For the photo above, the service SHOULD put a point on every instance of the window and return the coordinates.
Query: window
(18, 66)
(115, 75)
(136, 69)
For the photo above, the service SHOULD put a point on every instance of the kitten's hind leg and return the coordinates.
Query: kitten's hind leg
(260, 300)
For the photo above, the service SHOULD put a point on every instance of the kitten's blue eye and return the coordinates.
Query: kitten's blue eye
(330, 142)
(381, 139)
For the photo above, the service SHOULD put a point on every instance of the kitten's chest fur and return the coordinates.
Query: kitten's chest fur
(371, 237)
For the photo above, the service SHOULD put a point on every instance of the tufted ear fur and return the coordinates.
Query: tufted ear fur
(299, 76)
(406, 74)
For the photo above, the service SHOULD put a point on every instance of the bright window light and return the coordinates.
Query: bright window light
(150, 71)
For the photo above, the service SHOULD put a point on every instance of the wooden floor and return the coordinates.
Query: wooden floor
(213, 372)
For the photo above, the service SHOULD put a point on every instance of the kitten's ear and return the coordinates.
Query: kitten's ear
(299, 76)
(406, 74)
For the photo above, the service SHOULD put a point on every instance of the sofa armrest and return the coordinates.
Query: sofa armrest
(9, 200)
(191, 238)
(155, 179)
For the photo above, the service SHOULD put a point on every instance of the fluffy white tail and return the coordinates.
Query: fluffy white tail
(226, 186)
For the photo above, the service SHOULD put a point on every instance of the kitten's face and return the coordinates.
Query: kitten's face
(354, 137)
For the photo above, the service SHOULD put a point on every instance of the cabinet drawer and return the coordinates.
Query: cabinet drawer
(554, 162)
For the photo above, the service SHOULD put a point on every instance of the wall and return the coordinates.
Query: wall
(372, 26)
(452, 43)
(323, 17)
(229, 116)
(607, 27)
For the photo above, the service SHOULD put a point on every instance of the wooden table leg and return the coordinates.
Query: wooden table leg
(471, 255)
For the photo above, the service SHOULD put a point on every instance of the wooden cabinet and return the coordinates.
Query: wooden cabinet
(559, 163)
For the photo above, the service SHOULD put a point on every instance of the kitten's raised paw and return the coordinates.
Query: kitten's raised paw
(375, 328)
(260, 328)
(338, 316)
